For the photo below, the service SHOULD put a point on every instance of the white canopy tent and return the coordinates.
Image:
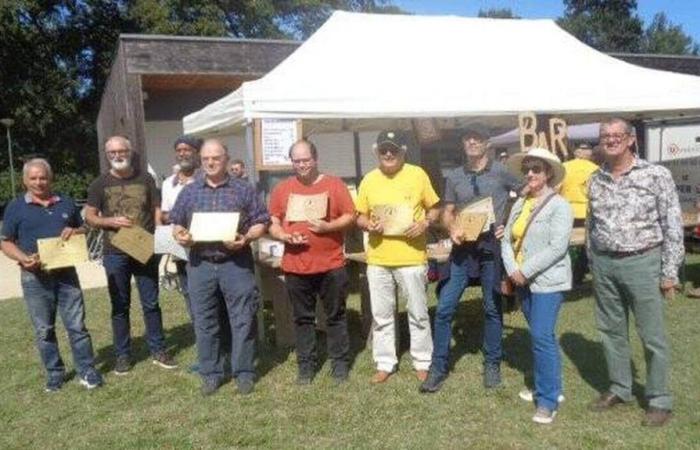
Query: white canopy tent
(358, 70)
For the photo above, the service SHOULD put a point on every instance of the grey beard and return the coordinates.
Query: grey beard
(120, 165)
(186, 165)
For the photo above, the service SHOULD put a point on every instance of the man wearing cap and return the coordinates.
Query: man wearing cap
(186, 153)
(313, 261)
(222, 268)
(470, 262)
(42, 213)
(122, 198)
(400, 258)
(635, 245)
(574, 188)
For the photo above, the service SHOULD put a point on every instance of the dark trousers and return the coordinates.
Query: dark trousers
(181, 267)
(332, 288)
(120, 268)
(234, 279)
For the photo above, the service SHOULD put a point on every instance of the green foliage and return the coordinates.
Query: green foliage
(607, 25)
(662, 36)
(71, 183)
(498, 13)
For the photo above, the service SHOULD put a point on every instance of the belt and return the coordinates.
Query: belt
(619, 255)
(216, 258)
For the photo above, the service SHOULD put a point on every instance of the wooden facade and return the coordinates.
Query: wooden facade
(157, 77)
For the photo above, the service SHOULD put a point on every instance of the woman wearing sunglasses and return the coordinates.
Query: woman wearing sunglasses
(535, 256)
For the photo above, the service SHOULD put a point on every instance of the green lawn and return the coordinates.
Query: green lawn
(152, 407)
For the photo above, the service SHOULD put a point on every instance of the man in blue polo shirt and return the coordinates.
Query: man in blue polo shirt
(38, 214)
(478, 178)
(225, 267)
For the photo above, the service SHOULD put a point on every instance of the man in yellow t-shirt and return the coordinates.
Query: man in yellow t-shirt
(395, 258)
(574, 188)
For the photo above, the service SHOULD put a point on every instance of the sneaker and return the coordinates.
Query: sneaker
(433, 383)
(123, 365)
(544, 415)
(91, 380)
(164, 360)
(244, 386)
(54, 384)
(526, 394)
(340, 373)
(209, 387)
(492, 376)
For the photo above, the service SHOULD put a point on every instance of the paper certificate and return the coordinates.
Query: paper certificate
(214, 226)
(165, 243)
(302, 208)
(395, 219)
(56, 253)
(483, 206)
(135, 242)
(471, 224)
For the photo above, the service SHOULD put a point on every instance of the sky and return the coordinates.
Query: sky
(680, 12)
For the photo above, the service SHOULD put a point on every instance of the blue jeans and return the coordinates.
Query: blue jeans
(120, 268)
(234, 279)
(541, 311)
(46, 293)
(450, 294)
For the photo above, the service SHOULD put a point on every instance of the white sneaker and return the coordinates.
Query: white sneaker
(526, 394)
(544, 416)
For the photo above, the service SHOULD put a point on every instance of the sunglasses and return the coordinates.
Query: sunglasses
(389, 149)
(535, 168)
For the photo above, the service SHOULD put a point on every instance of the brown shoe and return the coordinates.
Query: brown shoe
(606, 401)
(422, 375)
(380, 377)
(656, 417)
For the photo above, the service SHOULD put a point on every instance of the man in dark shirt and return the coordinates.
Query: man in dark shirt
(41, 213)
(480, 177)
(225, 267)
(126, 197)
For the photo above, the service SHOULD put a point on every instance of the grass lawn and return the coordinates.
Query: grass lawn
(152, 407)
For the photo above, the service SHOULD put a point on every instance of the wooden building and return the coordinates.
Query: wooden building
(156, 80)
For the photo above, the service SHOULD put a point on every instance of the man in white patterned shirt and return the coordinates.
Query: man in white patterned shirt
(635, 242)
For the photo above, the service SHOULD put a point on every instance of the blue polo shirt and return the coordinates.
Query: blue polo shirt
(26, 221)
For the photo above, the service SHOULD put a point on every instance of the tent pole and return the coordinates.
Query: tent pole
(358, 157)
(250, 153)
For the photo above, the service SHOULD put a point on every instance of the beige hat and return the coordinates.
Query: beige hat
(515, 163)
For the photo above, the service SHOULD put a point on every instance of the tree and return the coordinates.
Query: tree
(497, 13)
(56, 55)
(662, 36)
(607, 25)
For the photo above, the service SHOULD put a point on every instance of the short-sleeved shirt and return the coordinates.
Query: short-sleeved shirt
(464, 186)
(135, 197)
(574, 188)
(233, 195)
(323, 252)
(409, 186)
(26, 221)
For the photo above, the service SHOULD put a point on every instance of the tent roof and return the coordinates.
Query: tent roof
(371, 66)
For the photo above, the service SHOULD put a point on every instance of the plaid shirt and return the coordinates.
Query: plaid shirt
(638, 211)
(232, 196)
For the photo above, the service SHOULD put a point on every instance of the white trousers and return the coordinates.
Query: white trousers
(412, 282)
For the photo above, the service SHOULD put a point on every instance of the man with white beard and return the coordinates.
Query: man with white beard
(125, 197)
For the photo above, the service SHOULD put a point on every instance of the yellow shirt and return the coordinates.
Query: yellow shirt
(519, 227)
(410, 186)
(574, 188)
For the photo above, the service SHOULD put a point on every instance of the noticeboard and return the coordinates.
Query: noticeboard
(273, 137)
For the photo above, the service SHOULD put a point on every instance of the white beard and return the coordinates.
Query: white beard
(120, 165)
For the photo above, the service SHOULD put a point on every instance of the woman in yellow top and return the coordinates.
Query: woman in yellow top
(534, 249)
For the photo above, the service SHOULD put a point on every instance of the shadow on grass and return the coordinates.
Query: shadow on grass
(177, 339)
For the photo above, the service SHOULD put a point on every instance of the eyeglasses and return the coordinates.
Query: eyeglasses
(617, 137)
(113, 153)
(535, 168)
(389, 149)
(300, 161)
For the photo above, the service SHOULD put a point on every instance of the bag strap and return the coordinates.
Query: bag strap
(531, 218)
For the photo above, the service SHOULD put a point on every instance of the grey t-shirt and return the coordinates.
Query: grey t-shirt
(464, 186)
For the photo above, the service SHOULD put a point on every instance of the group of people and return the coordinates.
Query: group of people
(634, 244)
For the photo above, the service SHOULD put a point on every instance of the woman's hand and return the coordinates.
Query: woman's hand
(518, 278)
